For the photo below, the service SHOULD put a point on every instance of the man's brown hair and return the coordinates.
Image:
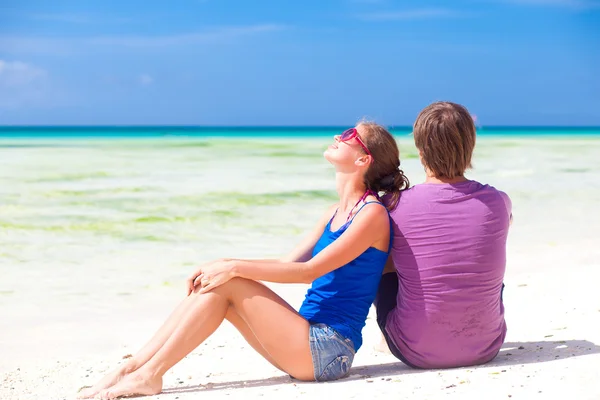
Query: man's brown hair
(444, 134)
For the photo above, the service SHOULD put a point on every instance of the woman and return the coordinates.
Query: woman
(343, 257)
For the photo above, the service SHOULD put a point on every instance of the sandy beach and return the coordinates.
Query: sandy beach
(98, 237)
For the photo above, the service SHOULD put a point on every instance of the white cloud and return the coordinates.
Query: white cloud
(184, 39)
(17, 73)
(32, 44)
(576, 4)
(418, 13)
(20, 84)
(145, 80)
(368, 1)
(79, 18)
(68, 18)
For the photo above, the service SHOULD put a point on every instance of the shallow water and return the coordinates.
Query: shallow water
(86, 221)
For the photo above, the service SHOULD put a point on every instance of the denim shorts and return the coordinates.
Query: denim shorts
(332, 353)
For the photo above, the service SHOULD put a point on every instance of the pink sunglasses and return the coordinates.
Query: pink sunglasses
(352, 133)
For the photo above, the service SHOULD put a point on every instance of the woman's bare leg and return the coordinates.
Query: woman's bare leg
(236, 320)
(143, 355)
(282, 333)
(159, 339)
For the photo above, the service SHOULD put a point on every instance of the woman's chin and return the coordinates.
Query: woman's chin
(335, 157)
(329, 156)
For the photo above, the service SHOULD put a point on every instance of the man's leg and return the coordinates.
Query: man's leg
(385, 302)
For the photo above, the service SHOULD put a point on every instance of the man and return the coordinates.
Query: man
(439, 303)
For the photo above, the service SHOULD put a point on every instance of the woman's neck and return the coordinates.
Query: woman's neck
(350, 190)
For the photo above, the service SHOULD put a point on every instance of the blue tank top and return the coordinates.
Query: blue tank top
(342, 297)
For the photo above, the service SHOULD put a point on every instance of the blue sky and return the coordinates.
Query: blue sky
(310, 62)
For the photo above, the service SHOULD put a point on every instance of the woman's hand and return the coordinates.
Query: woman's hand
(211, 275)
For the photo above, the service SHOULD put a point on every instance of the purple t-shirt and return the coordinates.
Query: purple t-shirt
(449, 250)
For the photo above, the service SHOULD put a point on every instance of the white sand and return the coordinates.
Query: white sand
(75, 308)
(554, 318)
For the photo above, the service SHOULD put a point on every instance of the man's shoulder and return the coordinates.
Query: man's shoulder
(419, 194)
(413, 192)
(498, 194)
(408, 197)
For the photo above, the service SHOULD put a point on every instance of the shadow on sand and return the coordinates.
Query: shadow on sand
(512, 353)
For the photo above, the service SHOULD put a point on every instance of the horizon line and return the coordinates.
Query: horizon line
(185, 126)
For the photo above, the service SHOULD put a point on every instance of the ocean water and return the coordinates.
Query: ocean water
(115, 132)
(218, 191)
(89, 216)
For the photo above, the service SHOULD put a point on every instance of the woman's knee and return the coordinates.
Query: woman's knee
(226, 288)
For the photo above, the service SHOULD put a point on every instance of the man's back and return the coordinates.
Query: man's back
(449, 250)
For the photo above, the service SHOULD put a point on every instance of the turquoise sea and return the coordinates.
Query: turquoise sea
(200, 187)
(195, 186)
(237, 132)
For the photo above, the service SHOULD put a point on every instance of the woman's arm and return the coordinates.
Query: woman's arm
(302, 252)
(367, 228)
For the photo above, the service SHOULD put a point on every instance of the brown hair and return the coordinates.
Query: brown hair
(384, 173)
(444, 134)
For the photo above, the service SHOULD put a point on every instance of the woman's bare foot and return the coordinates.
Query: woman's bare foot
(134, 384)
(109, 380)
